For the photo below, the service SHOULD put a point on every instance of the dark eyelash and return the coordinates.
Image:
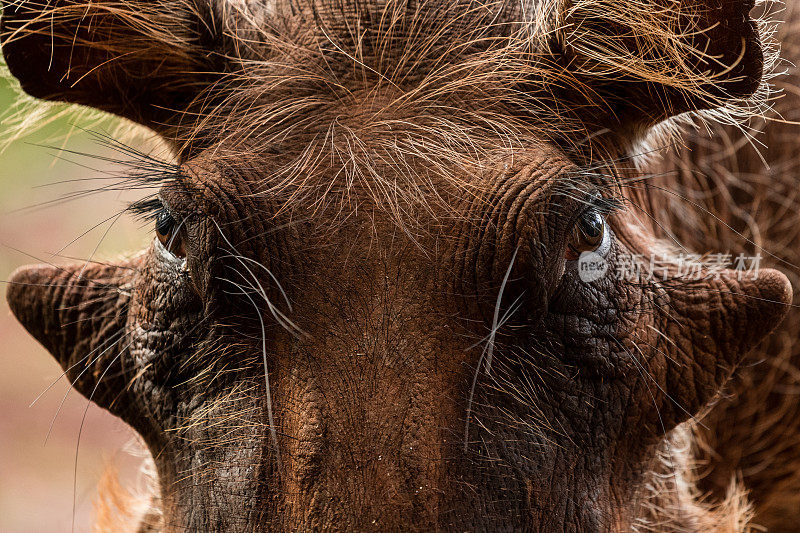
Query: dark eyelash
(142, 171)
(606, 206)
(146, 209)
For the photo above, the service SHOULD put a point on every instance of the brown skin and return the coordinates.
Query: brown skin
(370, 385)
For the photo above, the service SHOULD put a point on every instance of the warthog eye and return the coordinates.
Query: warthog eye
(588, 235)
(168, 234)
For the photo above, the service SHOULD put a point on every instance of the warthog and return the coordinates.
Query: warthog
(408, 275)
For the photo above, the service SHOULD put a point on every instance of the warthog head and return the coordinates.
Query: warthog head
(366, 304)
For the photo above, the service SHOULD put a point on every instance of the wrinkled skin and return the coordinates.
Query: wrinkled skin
(371, 329)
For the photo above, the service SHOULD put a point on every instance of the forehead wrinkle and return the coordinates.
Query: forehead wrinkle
(408, 191)
(207, 190)
(527, 185)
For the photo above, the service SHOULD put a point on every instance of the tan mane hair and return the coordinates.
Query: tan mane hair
(328, 93)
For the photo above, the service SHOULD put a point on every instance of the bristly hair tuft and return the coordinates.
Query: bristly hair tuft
(395, 97)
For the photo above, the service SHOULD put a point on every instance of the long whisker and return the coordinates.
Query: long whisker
(272, 428)
(488, 350)
(80, 432)
(80, 375)
(76, 363)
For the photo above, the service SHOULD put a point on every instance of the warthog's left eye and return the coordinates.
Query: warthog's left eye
(588, 235)
(168, 234)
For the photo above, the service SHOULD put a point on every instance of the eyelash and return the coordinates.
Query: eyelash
(605, 206)
(152, 211)
(147, 210)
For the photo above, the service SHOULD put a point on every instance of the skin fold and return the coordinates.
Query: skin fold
(361, 310)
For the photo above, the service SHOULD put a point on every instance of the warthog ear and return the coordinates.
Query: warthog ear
(630, 65)
(142, 60)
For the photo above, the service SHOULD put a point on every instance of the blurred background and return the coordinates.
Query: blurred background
(44, 471)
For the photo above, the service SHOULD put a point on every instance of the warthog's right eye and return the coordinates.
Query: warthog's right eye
(588, 235)
(168, 234)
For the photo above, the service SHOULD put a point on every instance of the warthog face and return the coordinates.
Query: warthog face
(364, 304)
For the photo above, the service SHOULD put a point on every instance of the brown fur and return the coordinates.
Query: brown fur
(350, 105)
(743, 194)
(673, 503)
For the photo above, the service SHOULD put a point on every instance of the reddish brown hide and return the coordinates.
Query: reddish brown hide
(366, 306)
